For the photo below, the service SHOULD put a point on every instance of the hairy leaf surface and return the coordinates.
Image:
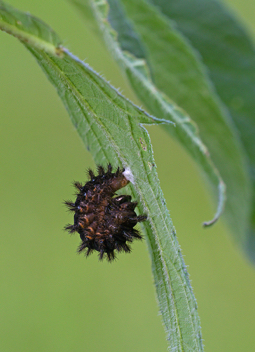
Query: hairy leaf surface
(112, 128)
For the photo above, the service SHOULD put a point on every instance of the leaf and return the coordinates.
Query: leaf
(113, 129)
(160, 64)
(159, 104)
(229, 55)
(29, 29)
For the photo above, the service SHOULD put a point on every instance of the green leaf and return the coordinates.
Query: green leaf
(229, 55)
(161, 65)
(159, 104)
(29, 29)
(112, 128)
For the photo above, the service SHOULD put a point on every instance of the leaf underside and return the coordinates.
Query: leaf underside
(113, 129)
(160, 65)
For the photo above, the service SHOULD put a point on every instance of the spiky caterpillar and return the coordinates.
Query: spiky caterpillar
(104, 222)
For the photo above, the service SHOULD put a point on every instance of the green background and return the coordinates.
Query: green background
(55, 300)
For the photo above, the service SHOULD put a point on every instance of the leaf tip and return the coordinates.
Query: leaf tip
(221, 203)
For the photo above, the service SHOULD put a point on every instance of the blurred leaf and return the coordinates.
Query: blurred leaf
(111, 127)
(29, 29)
(160, 64)
(229, 55)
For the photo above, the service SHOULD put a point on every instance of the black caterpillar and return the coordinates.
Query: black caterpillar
(105, 223)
